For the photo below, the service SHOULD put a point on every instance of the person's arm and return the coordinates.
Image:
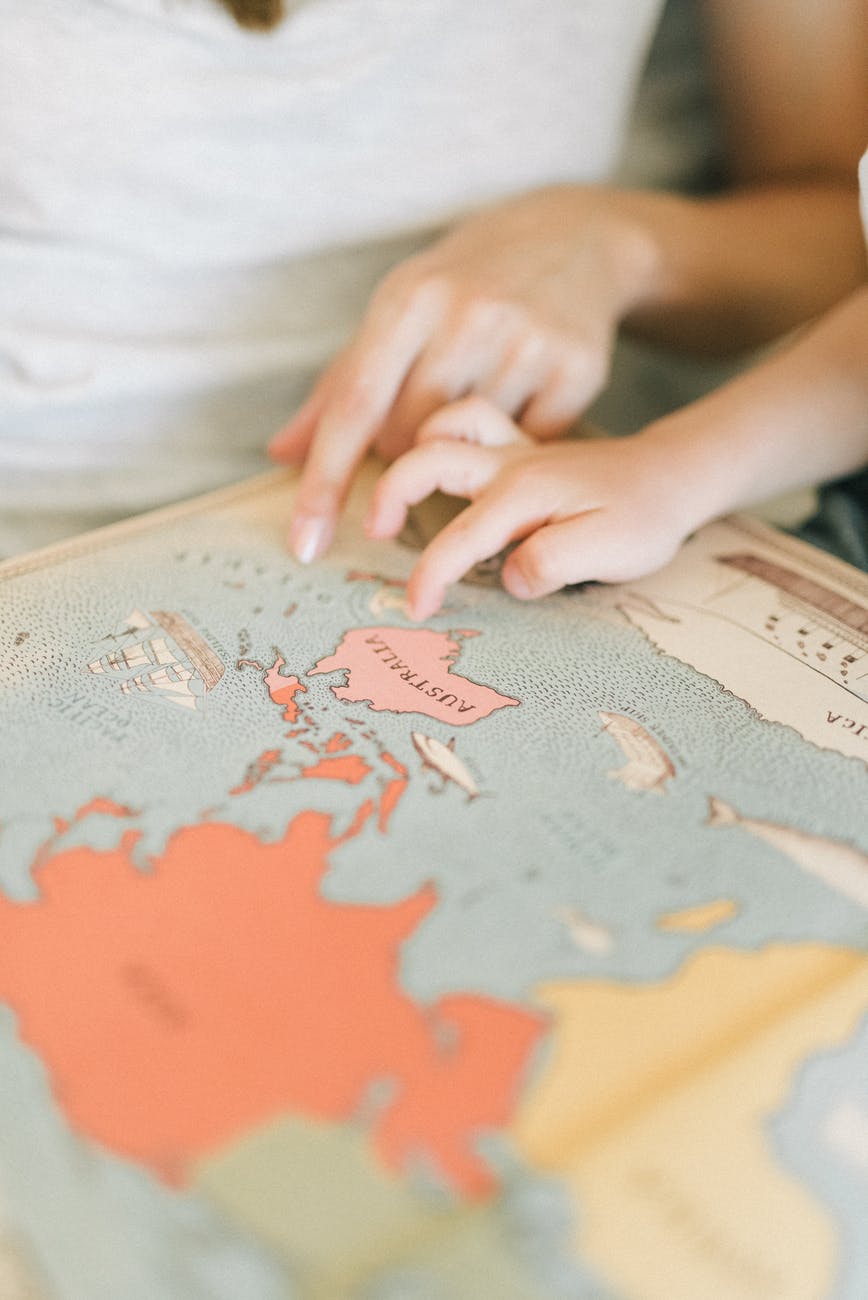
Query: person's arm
(613, 510)
(798, 418)
(522, 304)
(783, 242)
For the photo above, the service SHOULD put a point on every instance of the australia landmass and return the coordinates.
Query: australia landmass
(409, 670)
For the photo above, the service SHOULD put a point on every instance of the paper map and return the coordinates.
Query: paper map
(522, 954)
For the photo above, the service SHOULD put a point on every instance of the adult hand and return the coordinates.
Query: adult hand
(519, 304)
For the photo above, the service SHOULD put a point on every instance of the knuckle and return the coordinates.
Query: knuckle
(533, 347)
(585, 370)
(358, 401)
(397, 284)
(536, 559)
(480, 314)
(430, 292)
(514, 317)
(409, 288)
(473, 409)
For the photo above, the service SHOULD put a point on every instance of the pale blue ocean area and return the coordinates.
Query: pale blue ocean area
(101, 1229)
(550, 833)
(550, 830)
(812, 1142)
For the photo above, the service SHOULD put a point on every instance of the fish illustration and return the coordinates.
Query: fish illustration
(839, 865)
(648, 766)
(442, 759)
(586, 934)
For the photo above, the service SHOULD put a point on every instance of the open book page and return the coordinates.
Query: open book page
(521, 954)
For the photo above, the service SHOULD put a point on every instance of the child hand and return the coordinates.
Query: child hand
(604, 509)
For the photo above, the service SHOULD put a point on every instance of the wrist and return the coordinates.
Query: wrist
(636, 258)
(627, 228)
(702, 475)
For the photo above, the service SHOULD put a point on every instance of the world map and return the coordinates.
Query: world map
(518, 955)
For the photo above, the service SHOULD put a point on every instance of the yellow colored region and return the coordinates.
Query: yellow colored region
(652, 1111)
(699, 919)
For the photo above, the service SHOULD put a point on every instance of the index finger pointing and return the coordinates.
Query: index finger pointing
(496, 518)
(361, 394)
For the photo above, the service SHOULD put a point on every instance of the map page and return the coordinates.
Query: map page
(520, 955)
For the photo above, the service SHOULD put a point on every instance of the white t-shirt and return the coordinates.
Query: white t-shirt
(863, 192)
(192, 216)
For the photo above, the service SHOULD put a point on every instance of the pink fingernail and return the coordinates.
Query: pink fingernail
(308, 539)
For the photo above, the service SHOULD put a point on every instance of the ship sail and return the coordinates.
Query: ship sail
(174, 683)
(138, 621)
(161, 651)
(134, 656)
(173, 661)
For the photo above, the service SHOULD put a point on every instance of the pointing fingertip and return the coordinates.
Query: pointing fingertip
(421, 605)
(309, 539)
(519, 588)
(515, 582)
(417, 612)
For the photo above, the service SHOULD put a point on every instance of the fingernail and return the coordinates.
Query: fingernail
(308, 539)
(518, 587)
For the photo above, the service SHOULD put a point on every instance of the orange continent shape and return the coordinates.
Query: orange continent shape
(177, 1008)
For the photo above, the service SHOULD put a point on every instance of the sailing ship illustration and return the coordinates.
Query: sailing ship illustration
(161, 655)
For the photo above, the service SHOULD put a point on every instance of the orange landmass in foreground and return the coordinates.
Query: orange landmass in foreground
(409, 670)
(177, 1008)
